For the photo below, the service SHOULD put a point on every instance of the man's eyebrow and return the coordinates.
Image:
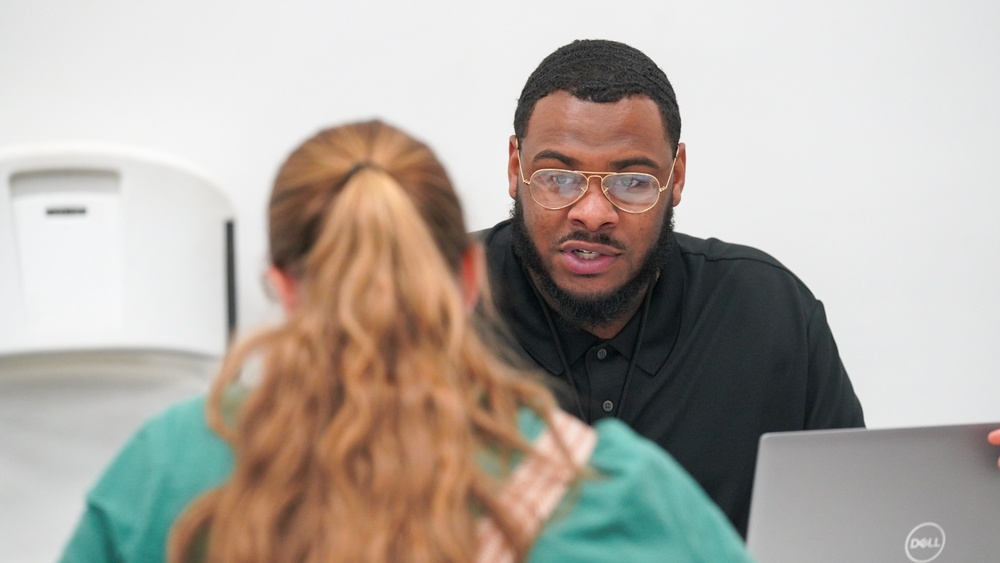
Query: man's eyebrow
(549, 154)
(634, 161)
(572, 163)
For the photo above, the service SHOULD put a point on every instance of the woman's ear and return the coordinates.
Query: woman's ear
(473, 273)
(285, 286)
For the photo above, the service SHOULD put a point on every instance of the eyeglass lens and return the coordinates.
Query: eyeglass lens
(559, 188)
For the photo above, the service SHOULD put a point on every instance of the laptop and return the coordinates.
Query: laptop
(912, 495)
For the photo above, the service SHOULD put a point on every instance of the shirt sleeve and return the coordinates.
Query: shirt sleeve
(91, 541)
(830, 396)
(116, 505)
(639, 505)
(168, 463)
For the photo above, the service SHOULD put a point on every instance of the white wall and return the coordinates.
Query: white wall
(856, 141)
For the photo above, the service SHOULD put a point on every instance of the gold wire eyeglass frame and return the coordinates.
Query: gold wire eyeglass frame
(604, 189)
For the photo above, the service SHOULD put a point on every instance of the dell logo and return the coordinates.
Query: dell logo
(924, 543)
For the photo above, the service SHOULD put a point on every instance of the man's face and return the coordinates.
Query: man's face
(591, 251)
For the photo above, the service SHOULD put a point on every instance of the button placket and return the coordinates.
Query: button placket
(603, 367)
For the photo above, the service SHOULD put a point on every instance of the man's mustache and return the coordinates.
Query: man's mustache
(595, 238)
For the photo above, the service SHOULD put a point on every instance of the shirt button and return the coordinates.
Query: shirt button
(608, 405)
(601, 354)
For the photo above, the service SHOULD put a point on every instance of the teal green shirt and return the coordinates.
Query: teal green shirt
(640, 506)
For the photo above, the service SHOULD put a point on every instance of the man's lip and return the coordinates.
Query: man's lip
(589, 247)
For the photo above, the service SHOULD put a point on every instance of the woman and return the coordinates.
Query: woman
(381, 427)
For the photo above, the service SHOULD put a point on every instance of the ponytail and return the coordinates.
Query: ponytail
(363, 439)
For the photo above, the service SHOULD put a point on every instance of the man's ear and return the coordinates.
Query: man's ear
(680, 172)
(472, 274)
(285, 287)
(513, 167)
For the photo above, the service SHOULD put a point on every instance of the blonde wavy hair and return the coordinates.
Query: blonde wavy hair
(378, 395)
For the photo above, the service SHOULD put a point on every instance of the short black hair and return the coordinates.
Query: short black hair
(601, 71)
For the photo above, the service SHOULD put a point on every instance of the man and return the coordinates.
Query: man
(699, 345)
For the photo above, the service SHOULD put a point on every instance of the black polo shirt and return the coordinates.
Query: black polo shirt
(734, 346)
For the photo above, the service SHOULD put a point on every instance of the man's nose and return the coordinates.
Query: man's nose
(594, 211)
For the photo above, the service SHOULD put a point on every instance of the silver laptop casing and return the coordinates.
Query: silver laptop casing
(912, 495)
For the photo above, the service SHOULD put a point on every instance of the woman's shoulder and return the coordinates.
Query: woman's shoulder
(176, 446)
(172, 458)
(636, 503)
(617, 450)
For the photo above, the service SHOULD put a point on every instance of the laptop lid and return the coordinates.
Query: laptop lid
(912, 495)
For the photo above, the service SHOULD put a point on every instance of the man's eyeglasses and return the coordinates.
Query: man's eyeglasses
(632, 192)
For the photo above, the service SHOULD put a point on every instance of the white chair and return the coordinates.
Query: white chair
(117, 297)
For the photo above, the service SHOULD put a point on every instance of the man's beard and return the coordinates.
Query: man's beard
(597, 310)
